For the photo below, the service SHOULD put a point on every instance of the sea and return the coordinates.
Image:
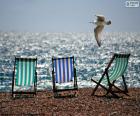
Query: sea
(90, 60)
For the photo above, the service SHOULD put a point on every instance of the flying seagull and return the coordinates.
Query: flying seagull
(100, 22)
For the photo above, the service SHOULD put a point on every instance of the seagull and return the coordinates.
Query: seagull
(100, 22)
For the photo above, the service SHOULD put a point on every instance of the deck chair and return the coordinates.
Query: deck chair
(63, 72)
(24, 76)
(109, 77)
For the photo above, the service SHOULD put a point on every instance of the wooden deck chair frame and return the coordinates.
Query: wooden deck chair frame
(55, 89)
(14, 77)
(112, 84)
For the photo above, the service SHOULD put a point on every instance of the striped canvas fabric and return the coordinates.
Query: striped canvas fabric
(25, 72)
(119, 68)
(63, 69)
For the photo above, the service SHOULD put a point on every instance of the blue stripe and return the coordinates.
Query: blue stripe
(64, 69)
(67, 70)
(64, 80)
(60, 75)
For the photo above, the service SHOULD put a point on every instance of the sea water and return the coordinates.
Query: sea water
(90, 60)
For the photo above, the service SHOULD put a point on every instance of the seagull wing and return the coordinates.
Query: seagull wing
(97, 32)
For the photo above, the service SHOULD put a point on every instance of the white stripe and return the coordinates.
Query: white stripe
(58, 71)
(61, 66)
(66, 70)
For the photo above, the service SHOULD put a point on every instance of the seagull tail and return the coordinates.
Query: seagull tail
(108, 22)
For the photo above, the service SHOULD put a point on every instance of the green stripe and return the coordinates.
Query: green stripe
(25, 72)
(33, 75)
(31, 72)
(19, 76)
(119, 68)
(126, 64)
(29, 69)
(21, 67)
(116, 72)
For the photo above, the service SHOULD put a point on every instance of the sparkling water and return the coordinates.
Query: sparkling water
(90, 60)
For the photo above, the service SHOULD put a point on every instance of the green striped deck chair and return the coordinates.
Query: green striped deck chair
(63, 71)
(109, 77)
(24, 76)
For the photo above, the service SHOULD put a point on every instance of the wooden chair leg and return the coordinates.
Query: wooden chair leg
(125, 86)
(122, 91)
(98, 84)
(109, 89)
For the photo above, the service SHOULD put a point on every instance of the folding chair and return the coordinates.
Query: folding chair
(109, 77)
(24, 76)
(63, 72)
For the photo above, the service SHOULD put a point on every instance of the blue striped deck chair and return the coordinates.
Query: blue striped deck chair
(24, 76)
(109, 77)
(63, 72)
